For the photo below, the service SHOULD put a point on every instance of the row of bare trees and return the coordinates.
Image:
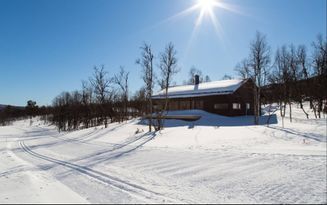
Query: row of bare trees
(9, 114)
(166, 70)
(293, 76)
(104, 99)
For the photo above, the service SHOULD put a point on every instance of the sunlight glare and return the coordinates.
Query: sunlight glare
(206, 5)
(207, 9)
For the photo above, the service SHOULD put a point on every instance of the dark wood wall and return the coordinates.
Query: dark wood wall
(242, 96)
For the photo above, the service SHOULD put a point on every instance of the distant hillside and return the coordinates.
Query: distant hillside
(312, 87)
(4, 106)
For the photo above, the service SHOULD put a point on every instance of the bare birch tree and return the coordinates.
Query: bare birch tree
(243, 69)
(304, 74)
(122, 81)
(319, 64)
(101, 84)
(256, 67)
(146, 62)
(168, 68)
(259, 61)
(280, 77)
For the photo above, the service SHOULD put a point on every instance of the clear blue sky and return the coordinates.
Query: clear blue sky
(49, 46)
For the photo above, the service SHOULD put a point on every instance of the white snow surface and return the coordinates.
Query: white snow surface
(221, 87)
(213, 160)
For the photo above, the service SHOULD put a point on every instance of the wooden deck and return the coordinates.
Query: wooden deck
(177, 117)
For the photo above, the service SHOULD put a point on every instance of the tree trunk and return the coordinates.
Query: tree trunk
(282, 112)
(105, 122)
(301, 106)
(319, 108)
(255, 106)
(290, 106)
(268, 120)
(150, 118)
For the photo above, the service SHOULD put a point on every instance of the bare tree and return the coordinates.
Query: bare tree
(86, 102)
(227, 77)
(294, 76)
(161, 83)
(243, 69)
(101, 84)
(191, 77)
(139, 102)
(30, 108)
(168, 68)
(87, 92)
(256, 67)
(146, 62)
(320, 70)
(207, 79)
(320, 56)
(122, 81)
(259, 61)
(280, 77)
(304, 74)
(194, 71)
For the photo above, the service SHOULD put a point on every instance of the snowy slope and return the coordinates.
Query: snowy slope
(22, 182)
(214, 160)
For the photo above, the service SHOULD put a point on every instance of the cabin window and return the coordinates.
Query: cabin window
(221, 106)
(236, 106)
(248, 106)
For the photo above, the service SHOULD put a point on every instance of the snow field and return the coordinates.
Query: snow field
(214, 160)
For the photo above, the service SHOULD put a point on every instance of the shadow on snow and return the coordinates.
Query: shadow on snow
(209, 119)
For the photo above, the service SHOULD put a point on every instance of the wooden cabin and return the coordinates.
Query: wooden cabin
(226, 97)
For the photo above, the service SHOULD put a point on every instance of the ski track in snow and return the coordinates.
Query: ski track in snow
(116, 166)
(105, 178)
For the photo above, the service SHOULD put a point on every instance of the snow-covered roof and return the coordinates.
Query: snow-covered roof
(222, 87)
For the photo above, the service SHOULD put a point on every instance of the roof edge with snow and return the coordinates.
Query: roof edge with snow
(222, 87)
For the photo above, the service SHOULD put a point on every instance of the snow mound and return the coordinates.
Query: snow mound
(212, 120)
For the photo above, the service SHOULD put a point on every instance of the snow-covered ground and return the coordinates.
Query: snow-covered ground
(213, 160)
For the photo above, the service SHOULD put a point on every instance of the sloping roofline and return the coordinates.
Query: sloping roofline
(222, 87)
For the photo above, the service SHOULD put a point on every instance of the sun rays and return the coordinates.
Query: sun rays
(206, 9)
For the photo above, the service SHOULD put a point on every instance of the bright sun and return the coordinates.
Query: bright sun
(207, 9)
(206, 5)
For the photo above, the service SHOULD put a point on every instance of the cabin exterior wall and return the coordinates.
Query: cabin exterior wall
(236, 104)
